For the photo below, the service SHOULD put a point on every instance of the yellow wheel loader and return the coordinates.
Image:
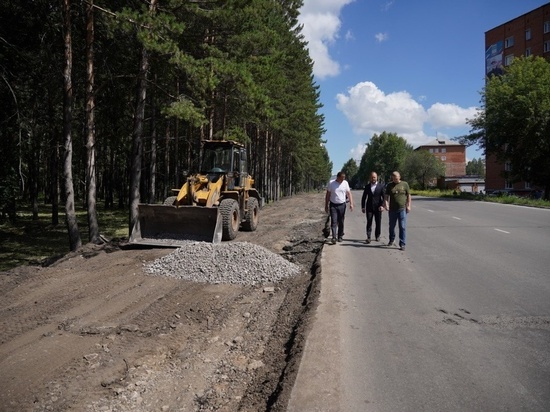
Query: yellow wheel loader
(211, 206)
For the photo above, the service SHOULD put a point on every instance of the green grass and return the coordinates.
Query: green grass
(27, 241)
(514, 200)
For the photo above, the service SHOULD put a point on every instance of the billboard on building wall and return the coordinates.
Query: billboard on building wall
(493, 58)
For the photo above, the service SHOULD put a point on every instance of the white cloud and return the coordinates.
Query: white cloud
(380, 37)
(371, 111)
(321, 26)
(386, 6)
(331, 6)
(357, 152)
(449, 115)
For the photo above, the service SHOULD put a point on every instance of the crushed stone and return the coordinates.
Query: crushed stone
(239, 263)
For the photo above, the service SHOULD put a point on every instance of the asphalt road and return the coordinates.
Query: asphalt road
(460, 321)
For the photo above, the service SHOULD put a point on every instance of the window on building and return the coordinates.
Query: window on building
(528, 185)
(528, 34)
(528, 52)
(508, 184)
(509, 42)
(508, 60)
(508, 166)
(546, 27)
(443, 150)
(431, 150)
(547, 46)
(443, 158)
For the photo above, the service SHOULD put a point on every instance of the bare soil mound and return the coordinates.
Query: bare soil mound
(94, 332)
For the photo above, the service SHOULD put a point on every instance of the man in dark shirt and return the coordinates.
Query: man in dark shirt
(398, 203)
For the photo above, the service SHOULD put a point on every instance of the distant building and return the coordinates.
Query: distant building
(452, 154)
(526, 35)
(469, 183)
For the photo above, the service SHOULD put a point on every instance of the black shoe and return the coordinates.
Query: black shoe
(333, 241)
(391, 243)
(402, 247)
(368, 240)
(340, 239)
(378, 239)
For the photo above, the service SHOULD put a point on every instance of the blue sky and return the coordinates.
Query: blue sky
(415, 68)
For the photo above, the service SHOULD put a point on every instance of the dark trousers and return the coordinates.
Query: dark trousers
(377, 216)
(337, 215)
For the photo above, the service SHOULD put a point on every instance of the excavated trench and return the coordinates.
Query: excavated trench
(94, 331)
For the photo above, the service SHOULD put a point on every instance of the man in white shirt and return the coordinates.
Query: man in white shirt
(338, 192)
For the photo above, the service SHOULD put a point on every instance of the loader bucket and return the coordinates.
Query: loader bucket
(170, 226)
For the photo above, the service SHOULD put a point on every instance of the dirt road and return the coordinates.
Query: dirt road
(94, 332)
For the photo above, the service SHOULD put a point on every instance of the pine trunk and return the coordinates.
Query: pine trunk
(93, 226)
(70, 215)
(137, 134)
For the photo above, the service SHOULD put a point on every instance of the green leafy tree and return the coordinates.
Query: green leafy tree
(476, 167)
(164, 78)
(383, 154)
(422, 168)
(514, 120)
(350, 169)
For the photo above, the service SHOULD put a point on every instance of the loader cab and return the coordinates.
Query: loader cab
(224, 157)
(217, 159)
(240, 172)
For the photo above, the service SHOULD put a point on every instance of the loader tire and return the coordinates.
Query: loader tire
(169, 201)
(231, 218)
(252, 215)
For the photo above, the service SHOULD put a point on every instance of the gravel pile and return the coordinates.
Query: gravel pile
(240, 263)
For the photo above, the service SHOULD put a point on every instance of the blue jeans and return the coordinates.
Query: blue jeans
(394, 217)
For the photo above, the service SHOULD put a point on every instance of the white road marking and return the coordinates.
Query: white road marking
(457, 218)
(430, 210)
(503, 231)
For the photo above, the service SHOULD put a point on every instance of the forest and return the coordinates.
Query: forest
(105, 104)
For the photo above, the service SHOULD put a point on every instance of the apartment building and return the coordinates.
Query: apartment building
(452, 154)
(526, 35)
